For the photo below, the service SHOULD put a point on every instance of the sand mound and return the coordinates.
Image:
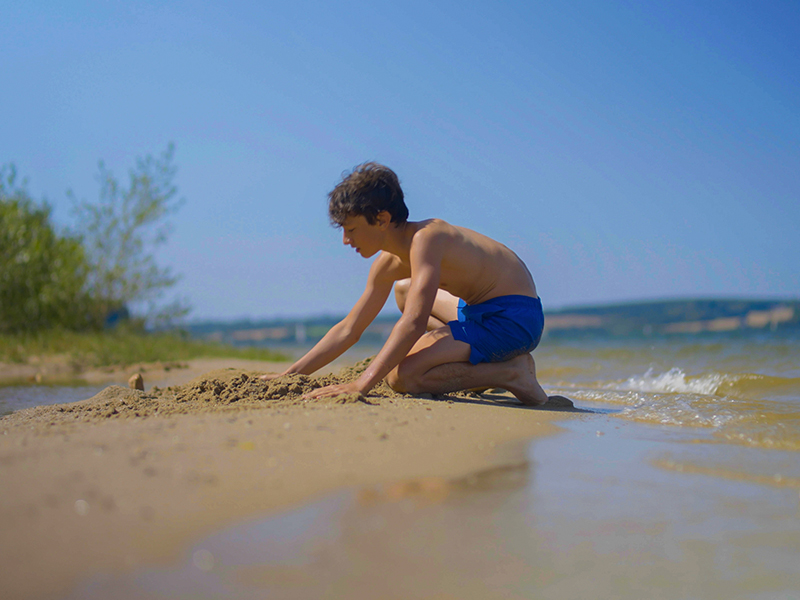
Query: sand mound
(219, 390)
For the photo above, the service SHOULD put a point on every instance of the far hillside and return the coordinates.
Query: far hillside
(676, 317)
(283, 332)
(637, 318)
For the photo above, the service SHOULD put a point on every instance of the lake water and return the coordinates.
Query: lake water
(17, 397)
(741, 389)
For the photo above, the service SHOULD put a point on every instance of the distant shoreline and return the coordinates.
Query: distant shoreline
(635, 318)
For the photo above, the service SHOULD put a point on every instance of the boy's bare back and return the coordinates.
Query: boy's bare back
(473, 266)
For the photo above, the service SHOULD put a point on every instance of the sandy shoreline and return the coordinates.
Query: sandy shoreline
(109, 495)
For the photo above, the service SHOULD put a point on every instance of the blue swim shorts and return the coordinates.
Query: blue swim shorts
(499, 329)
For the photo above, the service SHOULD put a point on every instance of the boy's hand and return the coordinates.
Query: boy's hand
(333, 390)
(270, 376)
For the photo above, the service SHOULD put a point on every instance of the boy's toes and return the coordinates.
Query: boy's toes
(560, 402)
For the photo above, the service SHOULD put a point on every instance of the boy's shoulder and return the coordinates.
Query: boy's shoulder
(434, 224)
(388, 266)
(427, 234)
(438, 236)
(434, 228)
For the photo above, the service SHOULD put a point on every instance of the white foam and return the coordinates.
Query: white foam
(674, 381)
(680, 413)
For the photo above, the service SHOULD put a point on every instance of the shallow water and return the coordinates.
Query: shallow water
(17, 397)
(743, 389)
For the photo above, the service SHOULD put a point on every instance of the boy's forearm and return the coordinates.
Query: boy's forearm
(328, 349)
(403, 337)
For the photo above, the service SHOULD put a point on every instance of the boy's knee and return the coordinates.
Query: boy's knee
(394, 381)
(401, 380)
(401, 292)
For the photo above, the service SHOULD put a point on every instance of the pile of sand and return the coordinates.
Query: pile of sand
(228, 389)
(218, 390)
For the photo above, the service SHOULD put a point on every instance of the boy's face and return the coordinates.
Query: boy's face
(359, 234)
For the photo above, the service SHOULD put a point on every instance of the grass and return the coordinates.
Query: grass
(120, 347)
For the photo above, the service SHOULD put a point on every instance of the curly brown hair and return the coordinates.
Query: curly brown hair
(369, 189)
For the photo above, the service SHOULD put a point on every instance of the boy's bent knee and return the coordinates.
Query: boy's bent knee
(400, 381)
(401, 292)
(394, 382)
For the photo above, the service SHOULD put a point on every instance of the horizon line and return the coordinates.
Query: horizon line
(554, 309)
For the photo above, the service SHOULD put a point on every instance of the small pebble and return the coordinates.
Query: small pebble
(203, 560)
(136, 382)
(82, 507)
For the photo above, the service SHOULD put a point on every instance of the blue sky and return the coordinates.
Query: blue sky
(624, 150)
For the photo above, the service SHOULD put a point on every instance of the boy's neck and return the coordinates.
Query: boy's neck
(398, 239)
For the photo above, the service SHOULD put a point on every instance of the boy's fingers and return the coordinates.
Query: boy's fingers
(331, 390)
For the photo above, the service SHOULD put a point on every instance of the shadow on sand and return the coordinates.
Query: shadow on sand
(498, 397)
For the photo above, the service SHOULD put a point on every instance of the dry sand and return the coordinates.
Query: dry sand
(131, 478)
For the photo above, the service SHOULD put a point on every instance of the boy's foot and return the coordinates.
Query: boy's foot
(523, 384)
(479, 390)
(560, 402)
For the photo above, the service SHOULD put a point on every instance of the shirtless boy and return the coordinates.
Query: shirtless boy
(471, 315)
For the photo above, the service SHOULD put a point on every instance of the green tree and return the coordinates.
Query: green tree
(121, 233)
(42, 272)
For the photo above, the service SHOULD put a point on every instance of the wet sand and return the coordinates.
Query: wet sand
(131, 479)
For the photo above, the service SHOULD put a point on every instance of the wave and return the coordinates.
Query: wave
(674, 381)
(738, 385)
(741, 408)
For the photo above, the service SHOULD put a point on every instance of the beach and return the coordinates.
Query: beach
(115, 494)
(675, 476)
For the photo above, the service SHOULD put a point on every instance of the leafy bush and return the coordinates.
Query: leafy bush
(121, 232)
(42, 272)
(52, 279)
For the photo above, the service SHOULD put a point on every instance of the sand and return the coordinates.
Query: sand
(131, 478)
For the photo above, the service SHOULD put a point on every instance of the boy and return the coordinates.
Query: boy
(475, 298)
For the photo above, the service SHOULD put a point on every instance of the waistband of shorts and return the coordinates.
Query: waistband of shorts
(510, 300)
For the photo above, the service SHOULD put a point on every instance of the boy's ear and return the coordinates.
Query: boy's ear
(384, 218)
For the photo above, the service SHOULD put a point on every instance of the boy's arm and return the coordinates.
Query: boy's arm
(426, 258)
(348, 331)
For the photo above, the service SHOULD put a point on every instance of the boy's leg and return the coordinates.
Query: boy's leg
(445, 306)
(438, 363)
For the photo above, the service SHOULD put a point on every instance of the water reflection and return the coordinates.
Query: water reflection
(17, 397)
